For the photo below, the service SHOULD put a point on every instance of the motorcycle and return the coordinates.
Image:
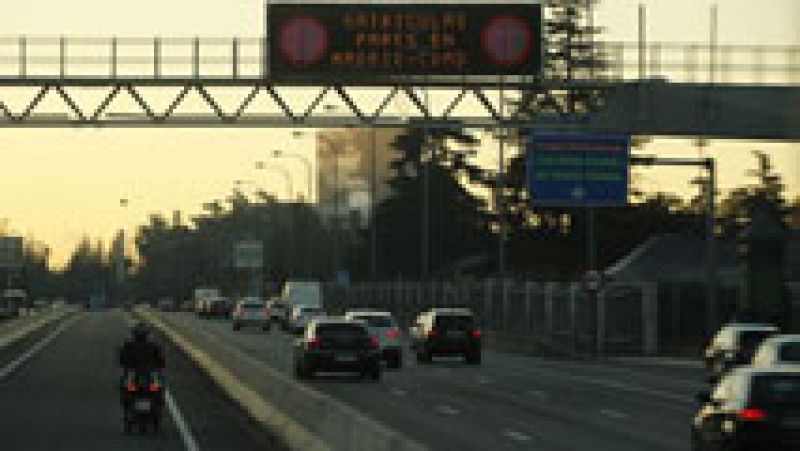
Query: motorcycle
(142, 400)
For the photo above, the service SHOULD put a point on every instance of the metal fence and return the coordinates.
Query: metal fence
(243, 58)
(635, 319)
(621, 319)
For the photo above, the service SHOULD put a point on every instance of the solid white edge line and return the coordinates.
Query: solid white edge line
(15, 364)
(183, 427)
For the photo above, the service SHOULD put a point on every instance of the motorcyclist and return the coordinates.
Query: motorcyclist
(139, 355)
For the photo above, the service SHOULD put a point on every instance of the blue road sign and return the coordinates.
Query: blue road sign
(578, 170)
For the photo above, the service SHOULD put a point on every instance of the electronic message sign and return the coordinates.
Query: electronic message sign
(577, 170)
(362, 41)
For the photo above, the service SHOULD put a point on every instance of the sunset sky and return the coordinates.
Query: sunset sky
(59, 185)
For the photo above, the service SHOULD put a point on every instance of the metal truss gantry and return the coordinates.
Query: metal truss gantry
(633, 83)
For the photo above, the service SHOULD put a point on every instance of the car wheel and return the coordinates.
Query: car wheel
(395, 361)
(424, 356)
(266, 328)
(298, 371)
(375, 374)
(473, 358)
(236, 327)
(695, 442)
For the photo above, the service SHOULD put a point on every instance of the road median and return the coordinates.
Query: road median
(303, 417)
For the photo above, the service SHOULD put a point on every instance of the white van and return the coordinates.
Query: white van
(300, 292)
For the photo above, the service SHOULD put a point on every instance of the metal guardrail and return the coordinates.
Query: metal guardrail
(243, 59)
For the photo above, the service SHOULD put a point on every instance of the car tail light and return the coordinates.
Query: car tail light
(154, 387)
(433, 334)
(314, 343)
(752, 414)
(393, 334)
(373, 342)
(131, 386)
(476, 333)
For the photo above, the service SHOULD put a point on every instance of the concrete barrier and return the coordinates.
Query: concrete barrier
(303, 417)
(30, 324)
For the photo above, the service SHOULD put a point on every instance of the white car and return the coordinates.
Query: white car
(384, 328)
(778, 350)
(302, 315)
(734, 345)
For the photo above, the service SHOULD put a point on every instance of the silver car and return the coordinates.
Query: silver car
(382, 326)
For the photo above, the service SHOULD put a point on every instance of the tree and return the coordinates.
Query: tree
(432, 169)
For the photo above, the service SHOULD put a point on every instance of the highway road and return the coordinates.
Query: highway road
(64, 397)
(509, 402)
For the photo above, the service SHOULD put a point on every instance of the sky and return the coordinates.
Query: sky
(60, 185)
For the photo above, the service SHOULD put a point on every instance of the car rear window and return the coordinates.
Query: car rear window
(769, 389)
(339, 330)
(750, 339)
(375, 320)
(789, 352)
(453, 322)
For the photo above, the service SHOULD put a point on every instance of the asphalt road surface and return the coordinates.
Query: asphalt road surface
(65, 397)
(509, 402)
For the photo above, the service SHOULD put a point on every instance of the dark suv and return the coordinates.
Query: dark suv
(336, 345)
(447, 332)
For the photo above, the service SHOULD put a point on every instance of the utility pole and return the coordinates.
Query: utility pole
(712, 307)
(373, 187)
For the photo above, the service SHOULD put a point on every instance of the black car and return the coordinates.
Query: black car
(336, 345)
(447, 332)
(750, 409)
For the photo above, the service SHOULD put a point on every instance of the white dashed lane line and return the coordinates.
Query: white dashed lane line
(398, 392)
(447, 410)
(516, 435)
(537, 394)
(613, 413)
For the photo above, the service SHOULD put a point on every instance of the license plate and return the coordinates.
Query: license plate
(455, 334)
(142, 405)
(791, 422)
(346, 358)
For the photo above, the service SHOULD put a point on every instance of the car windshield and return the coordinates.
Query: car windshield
(789, 352)
(771, 389)
(375, 320)
(453, 322)
(750, 339)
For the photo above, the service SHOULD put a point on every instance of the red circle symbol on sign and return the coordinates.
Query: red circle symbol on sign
(507, 40)
(303, 40)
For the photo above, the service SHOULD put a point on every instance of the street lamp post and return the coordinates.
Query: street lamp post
(261, 165)
(306, 162)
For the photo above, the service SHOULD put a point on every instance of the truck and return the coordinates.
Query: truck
(299, 293)
(202, 299)
(11, 300)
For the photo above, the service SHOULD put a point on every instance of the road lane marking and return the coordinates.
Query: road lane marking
(516, 435)
(483, 380)
(186, 434)
(398, 392)
(15, 364)
(537, 393)
(447, 410)
(613, 413)
(606, 383)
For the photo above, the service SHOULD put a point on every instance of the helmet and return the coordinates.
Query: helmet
(140, 331)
